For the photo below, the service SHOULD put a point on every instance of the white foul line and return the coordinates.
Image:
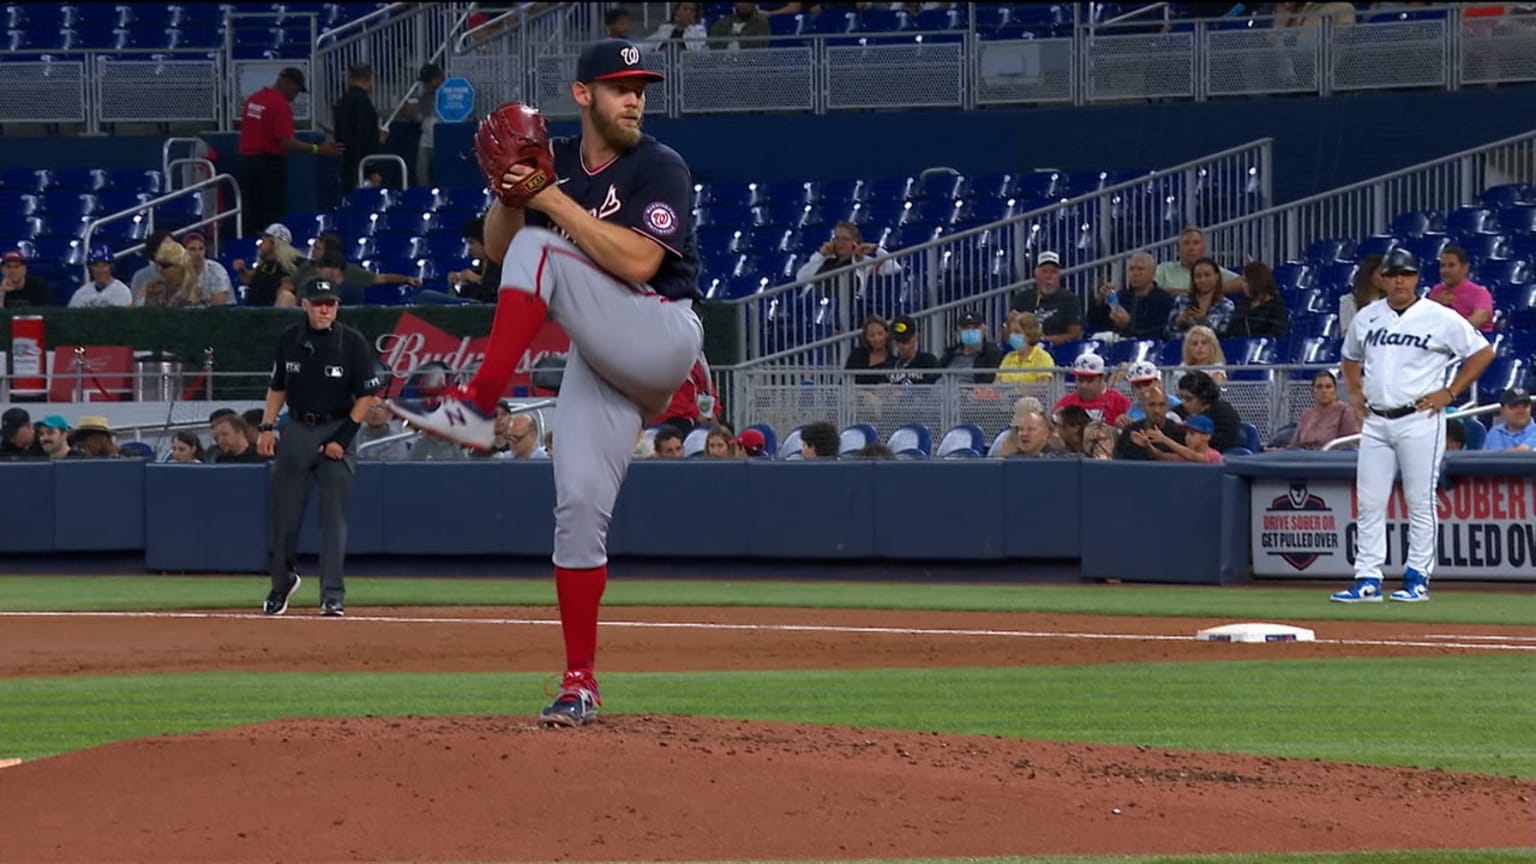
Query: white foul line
(780, 628)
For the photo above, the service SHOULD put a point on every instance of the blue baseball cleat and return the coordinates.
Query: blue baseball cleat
(1415, 588)
(1363, 591)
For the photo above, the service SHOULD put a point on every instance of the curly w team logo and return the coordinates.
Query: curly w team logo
(631, 56)
(660, 218)
(1299, 528)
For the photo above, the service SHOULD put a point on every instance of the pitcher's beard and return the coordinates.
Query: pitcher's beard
(617, 136)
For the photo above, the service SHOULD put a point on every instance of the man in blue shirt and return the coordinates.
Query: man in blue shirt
(1514, 431)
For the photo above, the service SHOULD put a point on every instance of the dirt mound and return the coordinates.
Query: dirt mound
(637, 787)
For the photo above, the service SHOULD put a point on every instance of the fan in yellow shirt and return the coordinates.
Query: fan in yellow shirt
(1024, 336)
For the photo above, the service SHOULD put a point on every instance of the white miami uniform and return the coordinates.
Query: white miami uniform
(1406, 357)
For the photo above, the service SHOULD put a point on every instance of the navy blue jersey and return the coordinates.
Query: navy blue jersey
(648, 189)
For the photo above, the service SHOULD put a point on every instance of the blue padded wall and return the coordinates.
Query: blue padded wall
(98, 505)
(206, 518)
(943, 510)
(809, 510)
(26, 507)
(1042, 508)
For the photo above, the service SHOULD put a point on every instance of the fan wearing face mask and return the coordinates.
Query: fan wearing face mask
(974, 350)
(1024, 337)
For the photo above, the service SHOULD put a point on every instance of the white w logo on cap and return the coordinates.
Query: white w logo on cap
(631, 55)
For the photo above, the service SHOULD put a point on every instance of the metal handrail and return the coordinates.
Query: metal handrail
(522, 11)
(237, 212)
(442, 51)
(191, 160)
(359, 23)
(1134, 13)
(165, 154)
(405, 174)
(1466, 412)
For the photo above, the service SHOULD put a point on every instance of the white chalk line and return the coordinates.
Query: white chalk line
(775, 628)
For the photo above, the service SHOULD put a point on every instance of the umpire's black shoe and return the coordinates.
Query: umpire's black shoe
(277, 601)
(332, 608)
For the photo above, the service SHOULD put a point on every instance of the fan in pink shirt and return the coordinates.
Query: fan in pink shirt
(1092, 393)
(1470, 300)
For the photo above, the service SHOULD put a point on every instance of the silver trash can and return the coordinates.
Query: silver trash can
(157, 377)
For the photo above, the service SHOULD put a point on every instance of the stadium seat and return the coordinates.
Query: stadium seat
(1325, 325)
(1131, 351)
(911, 441)
(79, 179)
(1469, 220)
(1336, 276)
(790, 449)
(69, 202)
(1380, 244)
(1507, 195)
(856, 437)
(946, 185)
(693, 444)
(1324, 252)
(1416, 223)
(134, 180)
(1427, 247)
(1251, 438)
(357, 223)
(1483, 247)
(1501, 273)
(25, 179)
(1293, 274)
(1240, 451)
(369, 199)
(966, 436)
(1502, 374)
(473, 198)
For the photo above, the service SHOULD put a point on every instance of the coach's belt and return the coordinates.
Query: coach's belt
(1394, 413)
(311, 419)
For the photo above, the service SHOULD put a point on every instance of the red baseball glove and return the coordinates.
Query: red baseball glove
(515, 134)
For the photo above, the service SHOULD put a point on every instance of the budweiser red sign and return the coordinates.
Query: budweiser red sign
(415, 343)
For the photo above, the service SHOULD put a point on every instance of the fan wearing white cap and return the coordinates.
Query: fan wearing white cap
(1060, 313)
(1142, 376)
(270, 282)
(1093, 393)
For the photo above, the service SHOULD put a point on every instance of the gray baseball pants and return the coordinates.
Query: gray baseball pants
(299, 462)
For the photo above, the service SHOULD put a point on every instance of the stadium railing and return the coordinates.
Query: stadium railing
(397, 40)
(975, 266)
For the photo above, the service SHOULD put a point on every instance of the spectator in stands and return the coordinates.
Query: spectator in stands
(847, 248)
(17, 289)
(1202, 304)
(523, 436)
(1092, 393)
(731, 32)
(266, 139)
(53, 437)
(148, 272)
(213, 423)
(423, 108)
(230, 438)
(617, 21)
(874, 450)
(1143, 378)
(908, 355)
(668, 442)
(1024, 337)
(1137, 441)
(94, 438)
(502, 428)
(750, 444)
(1312, 14)
(271, 281)
(694, 403)
(1029, 437)
(328, 260)
(482, 280)
(1199, 394)
(430, 448)
(1456, 434)
(185, 448)
(1071, 423)
(1261, 312)
(974, 350)
(1098, 440)
(357, 126)
(1514, 431)
(18, 440)
(819, 440)
(683, 30)
(1176, 276)
(1060, 313)
(1202, 348)
(1138, 311)
(873, 352)
(377, 424)
(719, 444)
(212, 279)
(1196, 446)
(104, 289)
(177, 284)
(1470, 300)
(1369, 286)
(1328, 418)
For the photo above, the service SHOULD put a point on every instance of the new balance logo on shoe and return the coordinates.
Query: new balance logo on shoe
(455, 417)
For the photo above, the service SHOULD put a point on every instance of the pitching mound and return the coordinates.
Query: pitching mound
(639, 787)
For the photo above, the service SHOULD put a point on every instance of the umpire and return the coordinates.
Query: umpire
(326, 374)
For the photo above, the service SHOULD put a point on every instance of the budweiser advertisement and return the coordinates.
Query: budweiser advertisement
(98, 373)
(417, 351)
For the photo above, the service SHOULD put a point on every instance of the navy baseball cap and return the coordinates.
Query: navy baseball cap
(612, 59)
(100, 255)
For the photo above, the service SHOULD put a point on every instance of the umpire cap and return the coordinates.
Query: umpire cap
(1399, 261)
(320, 291)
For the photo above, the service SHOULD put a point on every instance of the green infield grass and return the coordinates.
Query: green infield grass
(1458, 713)
(109, 593)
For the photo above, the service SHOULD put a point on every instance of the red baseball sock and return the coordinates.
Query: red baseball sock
(581, 594)
(519, 315)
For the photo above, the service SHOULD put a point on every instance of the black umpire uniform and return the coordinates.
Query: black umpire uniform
(328, 377)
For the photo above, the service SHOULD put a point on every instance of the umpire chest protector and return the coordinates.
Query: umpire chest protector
(324, 371)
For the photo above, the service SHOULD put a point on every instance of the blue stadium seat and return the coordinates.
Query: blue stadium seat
(115, 200)
(967, 436)
(133, 180)
(446, 245)
(1086, 182)
(1477, 433)
(1518, 219)
(1293, 274)
(1323, 252)
(740, 194)
(1251, 439)
(1336, 276)
(883, 21)
(1469, 220)
(790, 448)
(1308, 325)
(1510, 295)
(15, 203)
(785, 25)
(1311, 350)
(1066, 352)
(1507, 195)
(1379, 244)
(1483, 247)
(79, 179)
(1309, 300)
(939, 184)
(1417, 223)
(26, 179)
(1132, 351)
(844, 192)
(911, 441)
(474, 198)
(795, 192)
(178, 212)
(357, 223)
(369, 199)
(890, 188)
(388, 295)
(1502, 374)
(1501, 272)
(60, 250)
(69, 202)
(1427, 247)
(856, 437)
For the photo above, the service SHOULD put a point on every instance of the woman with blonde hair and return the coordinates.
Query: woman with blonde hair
(719, 444)
(176, 283)
(1202, 348)
(1024, 336)
(212, 279)
(270, 282)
